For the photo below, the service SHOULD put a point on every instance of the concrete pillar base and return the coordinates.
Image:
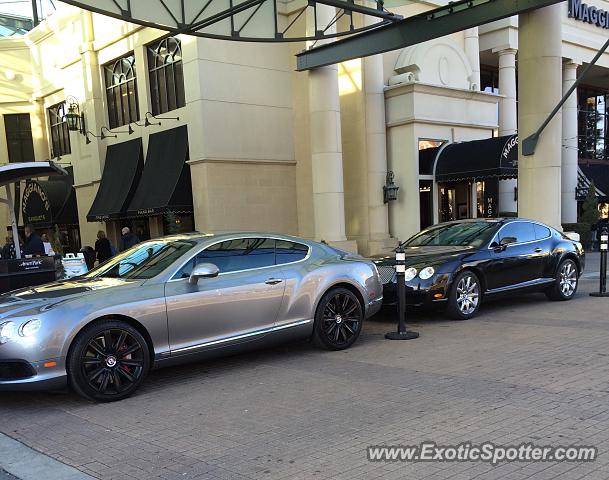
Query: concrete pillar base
(382, 247)
(346, 245)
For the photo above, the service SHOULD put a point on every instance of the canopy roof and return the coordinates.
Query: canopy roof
(478, 160)
(15, 172)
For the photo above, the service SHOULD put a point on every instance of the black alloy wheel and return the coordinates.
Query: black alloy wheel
(338, 320)
(108, 361)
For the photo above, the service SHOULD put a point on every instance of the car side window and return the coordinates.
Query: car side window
(235, 255)
(518, 231)
(541, 232)
(288, 252)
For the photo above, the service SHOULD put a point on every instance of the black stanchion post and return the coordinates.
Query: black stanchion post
(400, 270)
(604, 248)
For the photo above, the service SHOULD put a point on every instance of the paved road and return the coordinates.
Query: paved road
(525, 371)
(6, 476)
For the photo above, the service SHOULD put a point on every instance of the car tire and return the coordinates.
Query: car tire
(464, 296)
(108, 361)
(338, 320)
(565, 283)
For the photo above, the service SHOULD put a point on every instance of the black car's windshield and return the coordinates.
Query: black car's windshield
(144, 260)
(467, 234)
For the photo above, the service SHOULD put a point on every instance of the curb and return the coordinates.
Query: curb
(26, 463)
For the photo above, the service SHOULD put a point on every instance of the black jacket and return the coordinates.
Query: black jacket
(103, 250)
(34, 245)
(127, 241)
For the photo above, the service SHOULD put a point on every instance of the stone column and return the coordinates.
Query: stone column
(326, 144)
(376, 152)
(508, 120)
(540, 90)
(472, 51)
(569, 145)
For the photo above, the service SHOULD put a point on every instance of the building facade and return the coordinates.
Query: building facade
(182, 133)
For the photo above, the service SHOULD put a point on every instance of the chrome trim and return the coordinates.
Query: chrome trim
(529, 283)
(307, 256)
(244, 335)
(519, 243)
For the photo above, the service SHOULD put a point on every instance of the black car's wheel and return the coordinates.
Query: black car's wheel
(338, 320)
(464, 296)
(108, 361)
(566, 281)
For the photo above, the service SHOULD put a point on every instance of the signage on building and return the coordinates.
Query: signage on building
(508, 160)
(588, 13)
(491, 195)
(36, 205)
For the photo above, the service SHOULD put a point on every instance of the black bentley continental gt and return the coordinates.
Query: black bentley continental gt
(457, 265)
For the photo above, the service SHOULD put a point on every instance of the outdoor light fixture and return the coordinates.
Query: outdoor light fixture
(390, 189)
(74, 118)
(149, 115)
(88, 140)
(103, 136)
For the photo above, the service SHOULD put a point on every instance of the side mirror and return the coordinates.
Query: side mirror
(203, 270)
(505, 241)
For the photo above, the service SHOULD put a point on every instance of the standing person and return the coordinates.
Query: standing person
(33, 242)
(103, 249)
(128, 239)
(8, 251)
(48, 248)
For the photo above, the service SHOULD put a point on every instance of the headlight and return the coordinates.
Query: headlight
(410, 274)
(7, 331)
(30, 328)
(426, 273)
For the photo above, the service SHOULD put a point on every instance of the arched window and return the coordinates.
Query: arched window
(60, 135)
(121, 91)
(166, 75)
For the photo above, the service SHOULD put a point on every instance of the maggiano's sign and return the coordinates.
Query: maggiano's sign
(36, 204)
(588, 13)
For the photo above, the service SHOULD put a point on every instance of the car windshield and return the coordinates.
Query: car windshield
(469, 234)
(143, 261)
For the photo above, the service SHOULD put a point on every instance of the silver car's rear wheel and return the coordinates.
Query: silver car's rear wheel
(108, 361)
(339, 319)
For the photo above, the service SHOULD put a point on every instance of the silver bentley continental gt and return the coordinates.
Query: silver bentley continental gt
(178, 299)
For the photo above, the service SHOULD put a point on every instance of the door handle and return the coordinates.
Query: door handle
(273, 281)
(538, 250)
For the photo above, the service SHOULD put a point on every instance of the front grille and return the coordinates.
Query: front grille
(15, 370)
(386, 274)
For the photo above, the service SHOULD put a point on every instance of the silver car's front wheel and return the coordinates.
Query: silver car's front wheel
(338, 321)
(464, 297)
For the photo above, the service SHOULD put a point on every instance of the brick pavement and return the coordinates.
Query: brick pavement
(534, 371)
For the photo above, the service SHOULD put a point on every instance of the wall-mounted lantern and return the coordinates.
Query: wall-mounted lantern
(74, 118)
(390, 189)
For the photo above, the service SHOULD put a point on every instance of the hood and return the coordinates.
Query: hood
(427, 255)
(17, 301)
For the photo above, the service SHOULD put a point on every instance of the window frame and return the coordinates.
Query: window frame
(61, 127)
(173, 277)
(116, 117)
(496, 236)
(20, 136)
(158, 64)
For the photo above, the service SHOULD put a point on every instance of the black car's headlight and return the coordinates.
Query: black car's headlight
(410, 274)
(426, 273)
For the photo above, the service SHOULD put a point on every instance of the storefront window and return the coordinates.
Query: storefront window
(19, 137)
(166, 75)
(593, 125)
(60, 135)
(121, 91)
